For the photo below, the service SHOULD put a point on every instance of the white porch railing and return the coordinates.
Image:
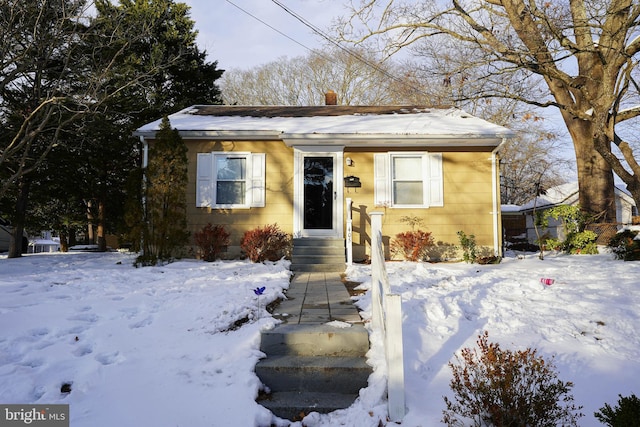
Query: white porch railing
(349, 242)
(387, 318)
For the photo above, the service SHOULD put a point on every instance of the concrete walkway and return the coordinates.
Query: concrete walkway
(316, 298)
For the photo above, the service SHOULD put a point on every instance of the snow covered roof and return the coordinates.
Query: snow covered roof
(333, 124)
(565, 194)
(510, 208)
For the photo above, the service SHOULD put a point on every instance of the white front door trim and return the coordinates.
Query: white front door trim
(300, 152)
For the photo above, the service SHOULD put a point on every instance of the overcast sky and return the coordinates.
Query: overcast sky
(237, 40)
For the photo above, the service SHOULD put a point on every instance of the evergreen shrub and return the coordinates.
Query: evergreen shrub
(266, 243)
(625, 246)
(502, 388)
(577, 240)
(164, 233)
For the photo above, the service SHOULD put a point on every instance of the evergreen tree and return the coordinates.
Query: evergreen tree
(135, 61)
(40, 45)
(178, 76)
(165, 232)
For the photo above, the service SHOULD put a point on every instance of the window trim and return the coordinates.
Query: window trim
(247, 165)
(423, 180)
(206, 179)
(432, 179)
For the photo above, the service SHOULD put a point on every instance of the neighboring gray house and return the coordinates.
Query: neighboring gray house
(567, 194)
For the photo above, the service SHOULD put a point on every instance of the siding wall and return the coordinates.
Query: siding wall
(467, 204)
(467, 198)
(279, 191)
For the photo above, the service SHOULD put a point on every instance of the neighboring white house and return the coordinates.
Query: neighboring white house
(567, 194)
(45, 243)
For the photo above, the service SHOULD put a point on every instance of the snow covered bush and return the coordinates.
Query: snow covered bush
(500, 388)
(412, 245)
(624, 415)
(266, 243)
(212, 240)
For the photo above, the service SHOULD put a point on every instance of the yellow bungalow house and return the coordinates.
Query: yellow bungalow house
(299, 167)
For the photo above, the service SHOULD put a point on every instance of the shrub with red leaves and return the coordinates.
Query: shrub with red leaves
(266, 243)
(212, 241)
(412, 245)
(496, 387)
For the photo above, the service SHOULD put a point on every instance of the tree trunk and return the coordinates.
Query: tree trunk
(595, 176)
(72, 236)
(16, 245)
(90, 234)
(634, 189)
(64, 240)
(102, 240)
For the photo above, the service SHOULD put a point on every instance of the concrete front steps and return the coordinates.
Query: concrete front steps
(312, 368)
(318, 254)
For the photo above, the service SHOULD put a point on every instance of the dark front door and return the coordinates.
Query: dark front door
(319, 193)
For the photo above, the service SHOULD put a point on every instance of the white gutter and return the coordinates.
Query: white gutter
(495, 185)
(350, 139)
(384, 140)
(145, 163)
(145, 152)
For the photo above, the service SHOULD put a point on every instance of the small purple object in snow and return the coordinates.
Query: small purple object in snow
(546, 281)
(259, 291)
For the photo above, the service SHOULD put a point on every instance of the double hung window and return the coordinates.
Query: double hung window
(408, 180)
(230, 180)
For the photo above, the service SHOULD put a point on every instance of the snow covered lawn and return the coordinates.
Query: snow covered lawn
(160, 345)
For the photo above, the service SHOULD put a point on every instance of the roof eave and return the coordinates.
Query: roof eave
(391, 140)
(344, 139)
(227, 135)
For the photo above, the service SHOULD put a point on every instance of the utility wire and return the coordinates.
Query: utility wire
(278, 31)
(345, 49)
(319, 32)
(267, 24)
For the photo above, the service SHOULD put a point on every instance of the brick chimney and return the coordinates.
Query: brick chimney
(330, 98)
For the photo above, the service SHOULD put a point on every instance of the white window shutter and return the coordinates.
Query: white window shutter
(257, 180)
(204, 180)
(381, 180)
(436, 191)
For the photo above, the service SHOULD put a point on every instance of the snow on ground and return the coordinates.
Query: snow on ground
(159, 345)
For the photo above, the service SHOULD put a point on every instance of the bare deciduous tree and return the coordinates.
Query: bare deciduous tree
(579, 56)
(357, 77)
(360, 79)
(530, 164)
